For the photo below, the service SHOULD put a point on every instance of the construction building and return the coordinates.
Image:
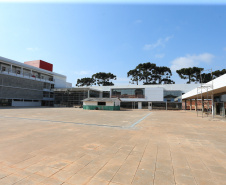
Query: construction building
(168, 96)
(28, 84)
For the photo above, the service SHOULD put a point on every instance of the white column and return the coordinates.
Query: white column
(88, 94)
(213, 107)
(139, 105)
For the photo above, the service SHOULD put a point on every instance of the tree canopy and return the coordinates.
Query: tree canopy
(206, 77)
(149, 73)
(134, 74)
(104, 79)
(85, 82)
(191, 73)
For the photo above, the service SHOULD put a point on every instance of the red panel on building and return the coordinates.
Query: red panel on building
(40, 64)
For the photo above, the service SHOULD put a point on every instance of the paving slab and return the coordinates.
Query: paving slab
(140, 147)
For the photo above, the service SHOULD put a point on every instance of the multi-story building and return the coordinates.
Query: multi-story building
(132, 96)
(23, 84)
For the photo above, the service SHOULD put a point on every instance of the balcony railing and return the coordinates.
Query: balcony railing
(27, 75)
(128, 96)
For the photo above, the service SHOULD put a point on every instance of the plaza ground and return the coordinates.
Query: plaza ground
(70, 146)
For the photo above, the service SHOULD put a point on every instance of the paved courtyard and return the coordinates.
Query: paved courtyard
(70, 146)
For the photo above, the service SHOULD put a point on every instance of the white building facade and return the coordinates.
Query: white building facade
(131, 96)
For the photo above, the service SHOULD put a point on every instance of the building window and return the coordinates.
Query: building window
(171, 96)
(101, 103)
(128, 93)
(106, 94)
(94, 94)
(3, 68)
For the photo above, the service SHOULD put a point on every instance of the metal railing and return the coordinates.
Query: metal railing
(27, 75)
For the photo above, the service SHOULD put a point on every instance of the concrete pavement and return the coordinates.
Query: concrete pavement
(71, 146)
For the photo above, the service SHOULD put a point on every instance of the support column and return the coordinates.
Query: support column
(195, 104)
(166, 104)
(88, 94)
(139, 105)
(190, 104)
(202, 106)
(185, 104)
(100, 94)
(213, 113)
(223, 110)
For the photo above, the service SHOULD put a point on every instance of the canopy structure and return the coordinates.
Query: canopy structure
(211, 97)
(216, 87)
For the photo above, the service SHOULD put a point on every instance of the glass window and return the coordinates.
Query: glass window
(171, 95)
(101, 103)
(94, 94)
(128, 93)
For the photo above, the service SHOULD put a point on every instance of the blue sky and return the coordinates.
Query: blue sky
(81, 39)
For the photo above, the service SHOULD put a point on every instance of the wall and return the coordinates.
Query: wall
(109, 103)
(26, 104)
(15, 87)
(90, 103)
(154, 94)
(60, 81)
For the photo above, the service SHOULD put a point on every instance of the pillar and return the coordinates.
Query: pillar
(213, 107)
(190, 104)
(185, 104)
(223, 110)
(88, 93)
(195, 104)
(166, 104)
(202, 106)
(139, 105)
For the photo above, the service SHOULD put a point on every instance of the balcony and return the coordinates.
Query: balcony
(27, 76)
(128, 96)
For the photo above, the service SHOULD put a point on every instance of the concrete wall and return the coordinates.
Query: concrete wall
(19, 88)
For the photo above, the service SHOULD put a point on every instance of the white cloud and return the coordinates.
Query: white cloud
(159, 43)
(159, 55)
(191, 61)
(83, 72)
(32, 49)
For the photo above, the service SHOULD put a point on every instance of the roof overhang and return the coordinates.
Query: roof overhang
(215, 87)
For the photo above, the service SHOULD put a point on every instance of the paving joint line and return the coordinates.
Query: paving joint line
(86, 124)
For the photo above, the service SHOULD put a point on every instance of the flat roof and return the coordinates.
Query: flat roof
(9, 61)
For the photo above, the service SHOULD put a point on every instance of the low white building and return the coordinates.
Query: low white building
(101, 104)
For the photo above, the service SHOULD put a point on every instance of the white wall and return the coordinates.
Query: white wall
(60, 81)
(68, 85)
(154, 94)
(89, 103)
(26, 104)
(109, 103)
